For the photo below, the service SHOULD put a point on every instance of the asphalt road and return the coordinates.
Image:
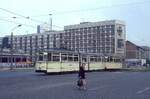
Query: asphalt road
(100, 85)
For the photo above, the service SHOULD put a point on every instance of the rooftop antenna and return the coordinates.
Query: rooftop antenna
(50, 22)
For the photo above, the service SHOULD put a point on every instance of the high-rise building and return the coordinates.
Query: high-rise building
(105, 37)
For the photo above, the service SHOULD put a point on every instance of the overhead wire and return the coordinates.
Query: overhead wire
(26, 24)
(14, 13)
(73, 11)
(66, 12)
(26, 17)
(17, 23)
(98, 8)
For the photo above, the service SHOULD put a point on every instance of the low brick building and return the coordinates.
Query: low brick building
(135, 55)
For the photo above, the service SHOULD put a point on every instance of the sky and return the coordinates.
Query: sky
(135, 13)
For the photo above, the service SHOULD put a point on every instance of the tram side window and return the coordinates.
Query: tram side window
(40, 56)
(55, 58)
(107, 59)
(93, 59)
(84, 59)
(24, 59)
(96, 59)
(117, 60)
(70, 58)
(75, 58)
(18, 59)
(99, 59)
(49, 57)
(45, 57)
(4, 60)
(111, 59)
(64, 57)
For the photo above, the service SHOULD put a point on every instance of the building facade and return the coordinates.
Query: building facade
(32, 43)
(134, 52)
(147, 52)
(105, 37)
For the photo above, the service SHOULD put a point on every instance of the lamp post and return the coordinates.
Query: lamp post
(105, 60)
(11, 51)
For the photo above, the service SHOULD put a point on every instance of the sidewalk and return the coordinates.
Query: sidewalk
(137, 69)
(17, 69)
(4, 69)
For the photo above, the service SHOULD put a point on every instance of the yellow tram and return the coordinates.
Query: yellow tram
(55, 61)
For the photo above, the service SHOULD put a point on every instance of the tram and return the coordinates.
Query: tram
(56, 61)
(18, 61)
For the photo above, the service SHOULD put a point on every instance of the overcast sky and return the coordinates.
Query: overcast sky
(135, 13)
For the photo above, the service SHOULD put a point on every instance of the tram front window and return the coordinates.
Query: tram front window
(40, 58)
(49, 57)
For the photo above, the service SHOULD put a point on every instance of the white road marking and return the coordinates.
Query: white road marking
(117, 72)
(41, 87)
(55, 85)
(97, 88)
(144, 90)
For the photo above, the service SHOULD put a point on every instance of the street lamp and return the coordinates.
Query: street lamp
(105, 60)
(11, 65)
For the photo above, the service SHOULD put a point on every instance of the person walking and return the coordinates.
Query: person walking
(81, 76)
